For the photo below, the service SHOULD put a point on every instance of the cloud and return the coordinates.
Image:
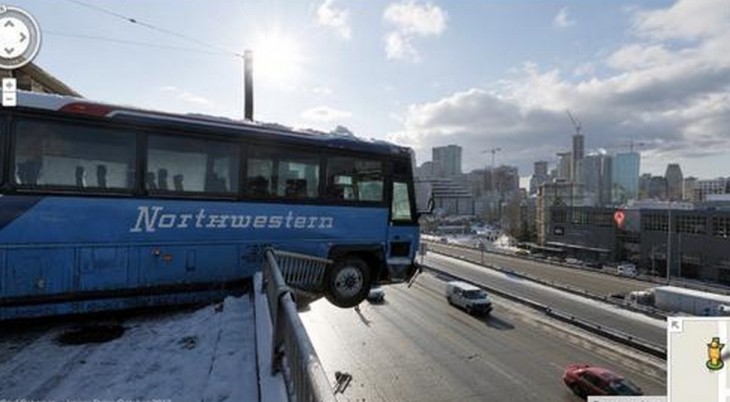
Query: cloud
(186, 96)
(673, 97)
(410, 17)
(562, 19)
(336, 18)
(399, 46)
(322, 91)
(686, 19)
(324, 114)
(411, 20)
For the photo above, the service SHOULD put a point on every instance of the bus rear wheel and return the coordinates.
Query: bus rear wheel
(348, 282)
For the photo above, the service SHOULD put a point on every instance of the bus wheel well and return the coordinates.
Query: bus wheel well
(373, 258)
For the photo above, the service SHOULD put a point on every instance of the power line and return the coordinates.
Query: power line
(134, 43)
(154, 28)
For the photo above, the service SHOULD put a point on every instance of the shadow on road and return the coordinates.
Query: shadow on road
(498, 323)
(361, 316)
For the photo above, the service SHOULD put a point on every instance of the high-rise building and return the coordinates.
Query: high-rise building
(658, 188)
(625, 176)
(688, 189)
(448, 158)
(644, 180)
(675, 180)
(539, 176)
(504, 179)
(594, 174)
(705, 187)
(565, 159)
(541, 168)
(578, 154)
(605, 195)
(589, 173)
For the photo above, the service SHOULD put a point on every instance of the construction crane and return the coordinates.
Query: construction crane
(576, 122)
(493, 151)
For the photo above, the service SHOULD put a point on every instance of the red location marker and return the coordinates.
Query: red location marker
(619, 218)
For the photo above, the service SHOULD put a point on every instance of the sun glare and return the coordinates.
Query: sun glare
(277, 58)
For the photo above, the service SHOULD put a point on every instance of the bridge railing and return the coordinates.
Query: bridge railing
(292, 352)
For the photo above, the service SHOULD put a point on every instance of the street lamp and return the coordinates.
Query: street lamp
(494, 151)
(669, 241)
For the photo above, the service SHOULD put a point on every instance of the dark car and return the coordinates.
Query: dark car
(376, 295)
(584, 380)
(593, 264)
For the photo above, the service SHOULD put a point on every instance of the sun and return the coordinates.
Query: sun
(277, 58)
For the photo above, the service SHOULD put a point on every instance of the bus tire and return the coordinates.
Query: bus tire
(348, 282)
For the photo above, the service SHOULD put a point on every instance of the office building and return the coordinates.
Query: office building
(449, 159)
(625, 176)
(688, 189)
(565, 160)
(578, 154)
(675, 181)
(540, 176)
(702, 188)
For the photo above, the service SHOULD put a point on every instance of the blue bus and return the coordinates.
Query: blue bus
(105, 207)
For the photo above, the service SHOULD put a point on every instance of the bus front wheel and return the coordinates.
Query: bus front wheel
(348, 282)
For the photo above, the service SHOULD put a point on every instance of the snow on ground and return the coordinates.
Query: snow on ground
(204, 355)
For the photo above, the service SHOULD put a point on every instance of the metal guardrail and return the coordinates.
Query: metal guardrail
(292, 352)
(301, 271)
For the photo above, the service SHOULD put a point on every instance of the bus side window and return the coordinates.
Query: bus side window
(352, 179)
(282, 174)
(298, 176)
(208, 166)
(80, 177)
(52, 154)
(260, 176)
(177, 180)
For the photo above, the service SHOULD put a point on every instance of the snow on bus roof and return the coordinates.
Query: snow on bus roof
(84, 106)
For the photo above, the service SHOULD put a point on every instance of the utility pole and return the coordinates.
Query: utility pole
(248, 85)
(669, 241)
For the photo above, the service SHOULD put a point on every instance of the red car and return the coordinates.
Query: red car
(584, 379)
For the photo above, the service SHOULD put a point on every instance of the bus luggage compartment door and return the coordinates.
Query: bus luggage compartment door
(104, 268)
(39, 271)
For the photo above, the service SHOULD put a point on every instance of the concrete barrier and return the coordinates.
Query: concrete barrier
(603, 331)
(648, 311)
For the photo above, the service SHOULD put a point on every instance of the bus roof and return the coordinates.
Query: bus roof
(80, 106)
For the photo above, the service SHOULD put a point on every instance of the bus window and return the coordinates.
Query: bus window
(401, 207)
(284, 174)
(298, 176)
(260, 176)
(180, 164)
(352, 179)
(51, 154)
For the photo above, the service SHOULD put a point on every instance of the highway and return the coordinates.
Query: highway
(416, 347)
(598, 283)
(636, 324)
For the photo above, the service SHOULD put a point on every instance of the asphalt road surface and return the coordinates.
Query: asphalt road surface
(594, 282)
(636, 324)
(416, 347)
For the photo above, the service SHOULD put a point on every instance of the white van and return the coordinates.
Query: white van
(469, 297)
(627, 269)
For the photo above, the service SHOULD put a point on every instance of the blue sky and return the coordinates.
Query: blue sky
(480, 74)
